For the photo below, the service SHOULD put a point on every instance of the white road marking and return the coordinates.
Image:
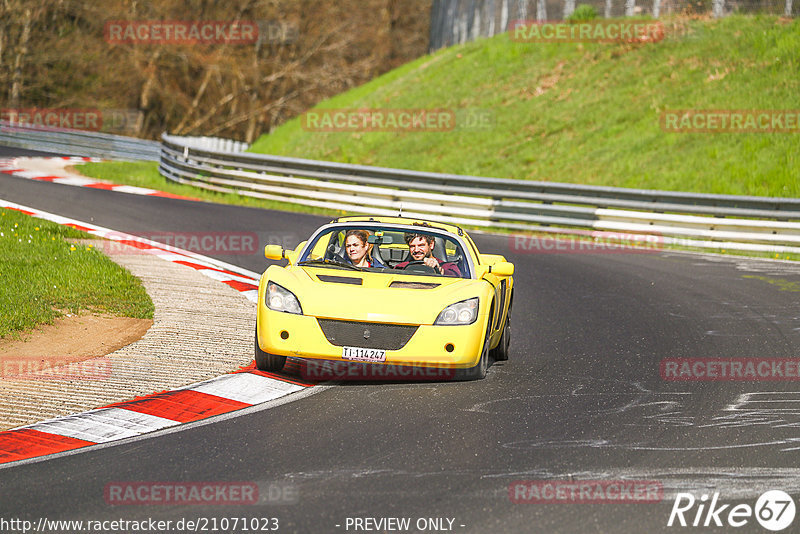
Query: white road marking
(73, 180)
(134, 190)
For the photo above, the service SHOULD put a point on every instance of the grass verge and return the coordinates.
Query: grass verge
(45, 272)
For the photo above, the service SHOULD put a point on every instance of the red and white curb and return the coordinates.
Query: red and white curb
(241, 389)
(26, 168)
(221, 395)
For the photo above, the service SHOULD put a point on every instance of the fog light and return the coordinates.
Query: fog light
(449, 347)
(284, 335)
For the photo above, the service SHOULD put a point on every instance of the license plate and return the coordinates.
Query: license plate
(363, 355)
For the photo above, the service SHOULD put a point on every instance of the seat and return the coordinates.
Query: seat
(439, 250)
(377, 258)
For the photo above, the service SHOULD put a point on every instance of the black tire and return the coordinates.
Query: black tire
(266, 361)
(479, 371)
(500, 352)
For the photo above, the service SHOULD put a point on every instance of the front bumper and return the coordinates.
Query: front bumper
(301, 336)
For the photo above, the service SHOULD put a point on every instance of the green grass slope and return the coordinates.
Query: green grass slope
(588, 112)
(45, 271)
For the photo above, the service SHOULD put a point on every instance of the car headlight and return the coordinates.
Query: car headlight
(464, 312)
(281, 299)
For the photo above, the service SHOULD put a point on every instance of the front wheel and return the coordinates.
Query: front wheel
(266, 361)
(479, 371)
(500, 352)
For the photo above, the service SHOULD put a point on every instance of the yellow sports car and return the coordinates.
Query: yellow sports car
(386, 291)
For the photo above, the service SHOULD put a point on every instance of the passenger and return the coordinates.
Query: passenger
(359, 250)
(420, 246)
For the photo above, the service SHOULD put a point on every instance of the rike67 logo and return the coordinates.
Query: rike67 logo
(774, 510)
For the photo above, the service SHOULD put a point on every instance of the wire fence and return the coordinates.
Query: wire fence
(458, 21)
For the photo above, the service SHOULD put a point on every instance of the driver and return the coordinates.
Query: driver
(420, 246)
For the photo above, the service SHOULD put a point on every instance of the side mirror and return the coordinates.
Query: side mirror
(502, 269)
(277, 252)
(274, 252)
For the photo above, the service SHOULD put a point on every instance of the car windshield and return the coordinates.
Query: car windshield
(374, 248)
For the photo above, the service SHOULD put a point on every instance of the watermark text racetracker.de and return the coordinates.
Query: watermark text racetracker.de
(341, 371)
(49, 368)
(203, 32)
(87, 119)
(730, 369)
(586, 243)
(226, 243)
(585, 491)
(180, 32)
(597, 31)
(396, 120)
(149, 493)
(730, 121)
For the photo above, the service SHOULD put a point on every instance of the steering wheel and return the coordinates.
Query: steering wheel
(333, 255)
(419, 266)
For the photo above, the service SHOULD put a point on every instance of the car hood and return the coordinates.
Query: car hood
(380, 297)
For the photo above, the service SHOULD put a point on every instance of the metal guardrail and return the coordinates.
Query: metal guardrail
(698, 220)
(217, 144)
(78, 142)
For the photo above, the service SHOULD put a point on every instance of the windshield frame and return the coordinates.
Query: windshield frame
(405, 228)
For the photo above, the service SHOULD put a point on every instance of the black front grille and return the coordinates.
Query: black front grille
(413, 285)
(366, 335)
(340, 279)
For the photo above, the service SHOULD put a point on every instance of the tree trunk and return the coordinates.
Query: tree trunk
(452, 38)
(522, 11)
(463, 27)
(147, 88)
(476, 20)
(196, 102)
(433, 34)
(22, 51)
(541, 10)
